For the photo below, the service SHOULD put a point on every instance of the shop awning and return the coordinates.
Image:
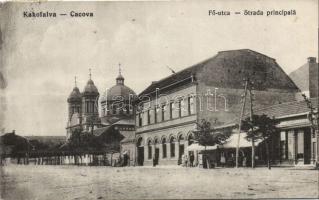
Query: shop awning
(232, 141)
(197, 147)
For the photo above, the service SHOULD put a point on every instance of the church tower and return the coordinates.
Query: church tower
(74, 109)
(74, 101)
(90, 114)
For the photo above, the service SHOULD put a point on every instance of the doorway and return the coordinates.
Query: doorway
(140, 156)
(140, 152)
(181, 152)
(156, 156)
(307, 146)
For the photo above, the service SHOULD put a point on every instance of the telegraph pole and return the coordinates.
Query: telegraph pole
(317, 135)
(240, 119)
(252, 127)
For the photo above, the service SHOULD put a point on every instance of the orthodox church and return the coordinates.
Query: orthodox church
(114, 123)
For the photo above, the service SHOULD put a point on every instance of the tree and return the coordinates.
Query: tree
(203, 135)
(261, 127)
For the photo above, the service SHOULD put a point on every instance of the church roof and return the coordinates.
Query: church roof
(90, 88)
(227, 69)
(100, 131)
(75, 95)
(119, 90)
(125, 122)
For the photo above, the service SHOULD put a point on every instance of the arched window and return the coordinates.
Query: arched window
(127, 107)
(149, 147)
(191, 105)
(172, 146)
(180, 137)
(164, 148)
(139, 142)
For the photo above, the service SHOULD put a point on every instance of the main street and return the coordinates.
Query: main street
(73, 182)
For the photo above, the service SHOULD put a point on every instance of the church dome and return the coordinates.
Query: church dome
(120, 90)
(90, 88)
(75, 95)
(117, 91)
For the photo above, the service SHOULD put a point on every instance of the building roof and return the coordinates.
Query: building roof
(120, 91)
(287, 108)
(100, 131)
(128, 138)
(182, 76)
(227, 69)
(90, 88)
(75, 95)
(301, 77)
(282, 110)
(125, 122)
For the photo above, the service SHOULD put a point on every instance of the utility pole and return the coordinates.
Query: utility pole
(240, 119)
(317, 135)
(252, 127)
(314, 122)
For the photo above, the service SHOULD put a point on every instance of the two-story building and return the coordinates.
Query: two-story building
(168, 109)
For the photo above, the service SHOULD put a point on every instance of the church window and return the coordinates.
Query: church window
(87, 106)
(127, 109)
(114, 107)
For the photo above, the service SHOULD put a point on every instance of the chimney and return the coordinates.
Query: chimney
(313, 77)
(311, 60)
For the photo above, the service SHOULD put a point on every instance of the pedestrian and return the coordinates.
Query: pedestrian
(186, 160)
(222, 160)
(191, 160)
(183, 160)
(244, 161)
(154, 161)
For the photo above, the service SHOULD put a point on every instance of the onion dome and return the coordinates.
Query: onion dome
(75, 94)
(90, 88)
(120, 90)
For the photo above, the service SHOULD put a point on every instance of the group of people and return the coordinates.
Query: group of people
(231, 160)
(223, 160)
(188, 160)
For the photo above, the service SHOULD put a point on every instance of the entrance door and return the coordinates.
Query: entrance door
(307, 146)
(156, 155)
(181, 152)
(140, 156)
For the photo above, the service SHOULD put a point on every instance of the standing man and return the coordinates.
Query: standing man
(191, 159)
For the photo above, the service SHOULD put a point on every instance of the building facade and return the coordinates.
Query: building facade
(168, 110)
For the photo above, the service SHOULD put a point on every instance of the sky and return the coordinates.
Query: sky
(41, 56)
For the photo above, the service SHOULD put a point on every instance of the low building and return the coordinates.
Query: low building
(295, 144)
